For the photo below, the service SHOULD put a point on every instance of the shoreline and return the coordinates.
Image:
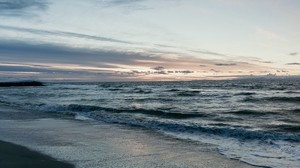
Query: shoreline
(96, 144)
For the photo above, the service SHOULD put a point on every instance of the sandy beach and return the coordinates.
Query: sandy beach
(91, 144)
(14, 156)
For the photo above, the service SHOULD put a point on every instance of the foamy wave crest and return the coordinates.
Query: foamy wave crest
(121, 116)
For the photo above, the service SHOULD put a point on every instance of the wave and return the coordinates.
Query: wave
(180, 92)
(251, 112)
(273, 99)
(286, 128)
(119, 116)
(292, 92)
(133, 90)
(105, 85)
(4, 102)
(88, 108)
(285, 99)
(173, 90)
(188, 93)
(171, 126)
(159, 99)
(245, 94)
(141, 91)
(296, 110)
(114, 89)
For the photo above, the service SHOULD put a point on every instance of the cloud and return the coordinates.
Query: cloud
(227, 76)
(213, 70)
(62, 33)
(185, 71)
(23, 60)
(205, 52)
(161, 72)
(52, 62)
(159, 68)
(16, 71)
(269, 34)
(210, 53)
(293, 53)
(21, 7)
(293, 63)
(50, 53)
(113, 3)
(222, 64)
(118, 2)
(128, 5)
(21, 68)
(46, 69)
(165, 46)
(266, 62)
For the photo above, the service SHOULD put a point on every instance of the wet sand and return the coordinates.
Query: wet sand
(91, 144)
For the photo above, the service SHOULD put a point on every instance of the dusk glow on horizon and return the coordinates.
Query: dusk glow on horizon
(145, 40)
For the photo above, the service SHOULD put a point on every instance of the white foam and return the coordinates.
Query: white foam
(275, 154)
(81, 117)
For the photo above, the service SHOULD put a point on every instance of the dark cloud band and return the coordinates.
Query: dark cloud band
(293, 63)
(62, 33)
(221, 64)
(49, 53)
(21, 7)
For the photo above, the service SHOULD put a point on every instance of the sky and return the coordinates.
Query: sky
(146, 40)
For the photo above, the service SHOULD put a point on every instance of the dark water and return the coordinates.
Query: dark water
(256, 121)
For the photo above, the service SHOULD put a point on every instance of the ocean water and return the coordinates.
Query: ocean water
(255, 121)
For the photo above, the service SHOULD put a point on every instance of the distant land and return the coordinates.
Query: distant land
(21, 83)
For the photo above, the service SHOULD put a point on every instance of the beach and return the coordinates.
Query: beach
(149, 84)
(93, 144)
(14, 156)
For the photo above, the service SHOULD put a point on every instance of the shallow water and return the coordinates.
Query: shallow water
(254, 121)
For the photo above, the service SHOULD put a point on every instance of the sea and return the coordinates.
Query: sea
(256, 121)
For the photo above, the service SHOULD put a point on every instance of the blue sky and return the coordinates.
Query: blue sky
(115, 40)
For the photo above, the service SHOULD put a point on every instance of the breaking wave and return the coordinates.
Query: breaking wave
(88, 108)
(109, 115)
